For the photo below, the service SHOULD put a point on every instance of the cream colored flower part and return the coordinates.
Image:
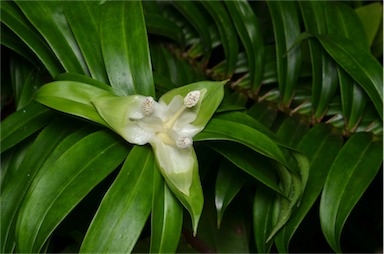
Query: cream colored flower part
(167, 127)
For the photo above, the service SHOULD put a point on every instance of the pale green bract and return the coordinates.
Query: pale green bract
(168, 125)
(168, 128)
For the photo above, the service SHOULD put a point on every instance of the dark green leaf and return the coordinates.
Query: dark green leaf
(13, 191)
(85, 16)
(227, 33)
(23, 123)
(167, 218)
(321, 157)
(157, 24)
(49, 19)
(12, 17)
(125, 208)
(249, 30)
(370, 15)
(124, 44)
(228, 184)
(359, 64)
(60, 183)
(286, 29)
(198, 21)
(354, 168)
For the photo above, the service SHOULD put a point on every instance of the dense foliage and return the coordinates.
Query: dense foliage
(291, 105)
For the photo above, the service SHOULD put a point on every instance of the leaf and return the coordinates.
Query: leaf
(244, 158)
(85, 16)
(263, 217)
(125, 208)
(23, 123)
(354, 168)
(286, 30)
(159, 25)
(359, 64)
(227, 33)
(124, 45)
(14, 190)
(218, 129)
(72, 97)
(49, 19)
(370, 15)
(228, 184)
(13, 18)
(249, 30)
(167, 218)
(321, 145)
(190, 11)
(60, 183)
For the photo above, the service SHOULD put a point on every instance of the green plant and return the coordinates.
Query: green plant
(292, 114)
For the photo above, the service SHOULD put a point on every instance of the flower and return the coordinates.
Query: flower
(168, 128)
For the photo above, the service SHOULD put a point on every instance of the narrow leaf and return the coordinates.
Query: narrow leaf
(23, 123)
(124, 44)
(60, 183)
(125, 208)
(166, 218)
(354, 168)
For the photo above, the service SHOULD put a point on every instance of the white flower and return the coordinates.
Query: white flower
(167, 127)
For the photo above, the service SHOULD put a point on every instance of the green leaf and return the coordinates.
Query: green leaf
(60, 183)
(218, 129)
(263, 211)
(72, 97)
(321, 145)
(250, 162)
(23, 123)
(166, 218)
(195, 16)
(227, 33)
(125, 208)
(370, 16)
(85, 16)
(286, 29)
(359, 64)
(13, 191)
(84, 79)
(354, 168)
(249, 30)
(228, 184)
(49, 19)
(13, 18)
(124, 44)
(159, 25)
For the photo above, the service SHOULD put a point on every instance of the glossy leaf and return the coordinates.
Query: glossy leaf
(61, 186)
(124, 45)
(249, 30)
(359, 64)
(370, 15)
(14, 190)
(157, 24)
(13, 17)
(87, 13)
(125, 208)
(49, 19)
(263, 212)
(227, 33)
(244, 158)
(354, 168)
(190, 11)
(166, 218)
(228, 184)
(286, 29)
(24, 123)
(218, 129)
(72, 97)
(321, 156)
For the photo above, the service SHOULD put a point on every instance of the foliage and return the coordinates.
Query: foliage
(297, 136)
